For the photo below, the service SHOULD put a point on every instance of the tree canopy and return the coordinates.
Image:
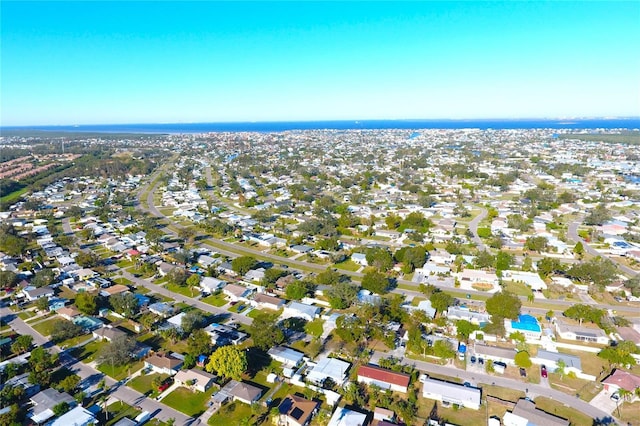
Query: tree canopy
(229, 362)
(243, 264)
(504, 305)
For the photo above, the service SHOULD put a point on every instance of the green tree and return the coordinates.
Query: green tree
(63, 330)
(504, 261)
(579, 249)
(504, 305)
(265, 332)
(299, 289)
(118, 351)
(598, 215)
(8, 279)
(69, 383)
(440, 301)
(87, 259)
(87, 303)
(191, 321)
(465, 329)
(484, 259)
(124, 304)
(537, 244)
(228, 362)
(243, 264)
(375, 282)
(330, 277)
(598, 270)
(342, 295)
(21, 344)
(178, 276)
(199, 342)
(443, 349)
(522, 359)
(61, 408)
(43, 278)
(379, 258)
(193, 280)
(42, 304)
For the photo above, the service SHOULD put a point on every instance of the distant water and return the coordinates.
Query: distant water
(279, 126)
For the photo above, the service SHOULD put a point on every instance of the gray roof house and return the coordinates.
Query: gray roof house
(44, 401)
(301, 310)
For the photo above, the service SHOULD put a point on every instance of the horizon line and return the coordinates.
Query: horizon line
(563, 118)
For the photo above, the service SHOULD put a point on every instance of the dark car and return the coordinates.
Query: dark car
(543, 371)
(473, 359)
(523, 372)
(481, 361)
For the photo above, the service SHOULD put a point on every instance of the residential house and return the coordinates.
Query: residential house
(581, 333)
(195, 379)
(451, 393)
(114, 289)
(328, 368)
(108, 333)
(164, 268)
(288, 357)
(296, 411)
(464, 313)
(222, 334)
(68, 313)
(77, 416)
(551, 359)
(530, 279)
(383, 378)
(255, 275)
(211, 285)
(346, 417)
(301, 310)
(495, 353)
(237, 391)
(620, 379)
(43, 403)
(161, 309)
(525, 413)
(360, 259)
(163, 364)
(264, 301)
(32, 293)
(237, 292)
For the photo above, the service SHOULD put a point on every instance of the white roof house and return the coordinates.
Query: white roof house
(451, 393)
(79, 416)
(287, 356)
(345, 417)
(301, 310)
(530, 279)
(332, 368)
(210, 284)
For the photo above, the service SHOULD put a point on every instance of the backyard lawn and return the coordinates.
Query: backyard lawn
(314, 327)
(557, 409)
(119, 372)
(144, 383)
(215, 300)
(45, 327)
(348, 265)
(230, 414)
(191, 403)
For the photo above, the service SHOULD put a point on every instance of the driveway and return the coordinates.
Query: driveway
(603, 401)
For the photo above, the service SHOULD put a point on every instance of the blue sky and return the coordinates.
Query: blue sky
(126, 62)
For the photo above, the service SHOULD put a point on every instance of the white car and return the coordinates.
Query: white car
(615, 397)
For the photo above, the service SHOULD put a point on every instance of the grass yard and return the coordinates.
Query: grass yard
(185, 291)
(144, 384)
(123, 281)
(348, 265)
(463, 416)
(215, 300)
(517, 288)
(117, 411)
(119, 372)
(502, 393)
(45, 327)
(230, 414)
(314, 327)
(629, 413)
(557, 409)
(191, 403)
(74, 341)
(88, 352)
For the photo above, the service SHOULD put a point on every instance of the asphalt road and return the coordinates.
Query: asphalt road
(473, 227)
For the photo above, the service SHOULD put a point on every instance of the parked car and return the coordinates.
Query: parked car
(543, 371)
(481, 361)
(615, 396)
(473, 359)
(523, 372)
